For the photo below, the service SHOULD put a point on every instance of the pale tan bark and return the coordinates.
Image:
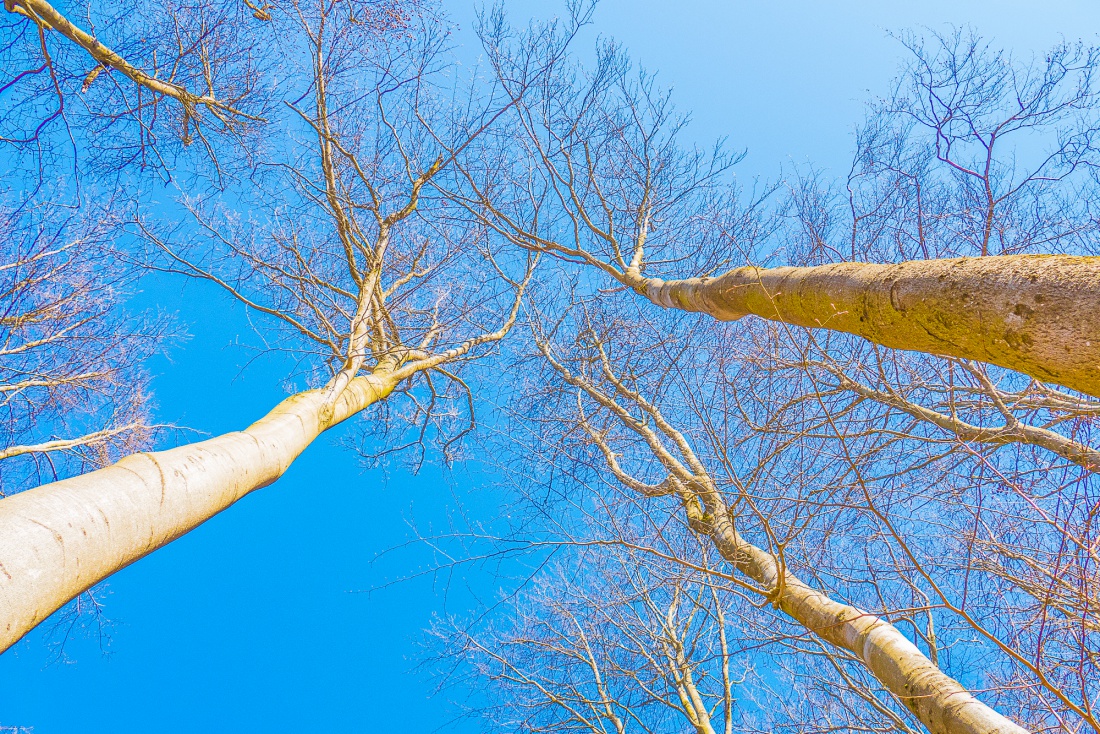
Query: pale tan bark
(1036, 314)
(938, 701)
(59, 539)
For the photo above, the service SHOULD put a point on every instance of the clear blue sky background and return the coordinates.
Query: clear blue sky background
(251, 623)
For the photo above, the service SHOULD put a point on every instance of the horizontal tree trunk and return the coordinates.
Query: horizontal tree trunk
(59, 539)
(1036, 314)
(935, 698)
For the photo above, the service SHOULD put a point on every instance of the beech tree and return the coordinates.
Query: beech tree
(939, 702)
(75, 394)
(635, 625)
(604, 183)
(336, 240)
(917, 568)
(894, 491)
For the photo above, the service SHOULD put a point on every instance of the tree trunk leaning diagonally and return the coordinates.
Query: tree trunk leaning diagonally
(1036, 314)
(58, 540)
(935, 698)
(938, 701)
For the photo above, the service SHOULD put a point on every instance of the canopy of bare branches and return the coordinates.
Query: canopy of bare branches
(859, 493)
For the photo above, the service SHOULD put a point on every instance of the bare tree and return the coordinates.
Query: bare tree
(629, 621)
(1016, 457)
(980, 554)
(46, 18)
(611, 402)
(376, 235)
(958, 502)
(122, 90)
(376, 285)
(604, 183)
(906, 482)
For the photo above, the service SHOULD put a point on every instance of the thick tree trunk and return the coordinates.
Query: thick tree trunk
(935, 698)
(1036, 314)
(59, 539)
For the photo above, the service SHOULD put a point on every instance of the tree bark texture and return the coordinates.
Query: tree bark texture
(58, 540)
(936, 699)
(1036, 314)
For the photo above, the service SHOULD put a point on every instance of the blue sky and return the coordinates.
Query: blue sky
(252, 623)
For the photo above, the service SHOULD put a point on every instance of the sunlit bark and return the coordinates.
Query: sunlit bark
(382, 312)
(59, 539)
(606, 183)
(1036, 314)
(938, 701)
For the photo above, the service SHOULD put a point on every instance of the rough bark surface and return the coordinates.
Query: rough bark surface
(59, 539)
(937, 700)
(1036, 314)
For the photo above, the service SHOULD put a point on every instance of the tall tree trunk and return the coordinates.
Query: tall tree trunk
(1037, 314)
(937, 699)
(59, 539)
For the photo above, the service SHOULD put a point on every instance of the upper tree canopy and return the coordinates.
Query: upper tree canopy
(880, 493)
